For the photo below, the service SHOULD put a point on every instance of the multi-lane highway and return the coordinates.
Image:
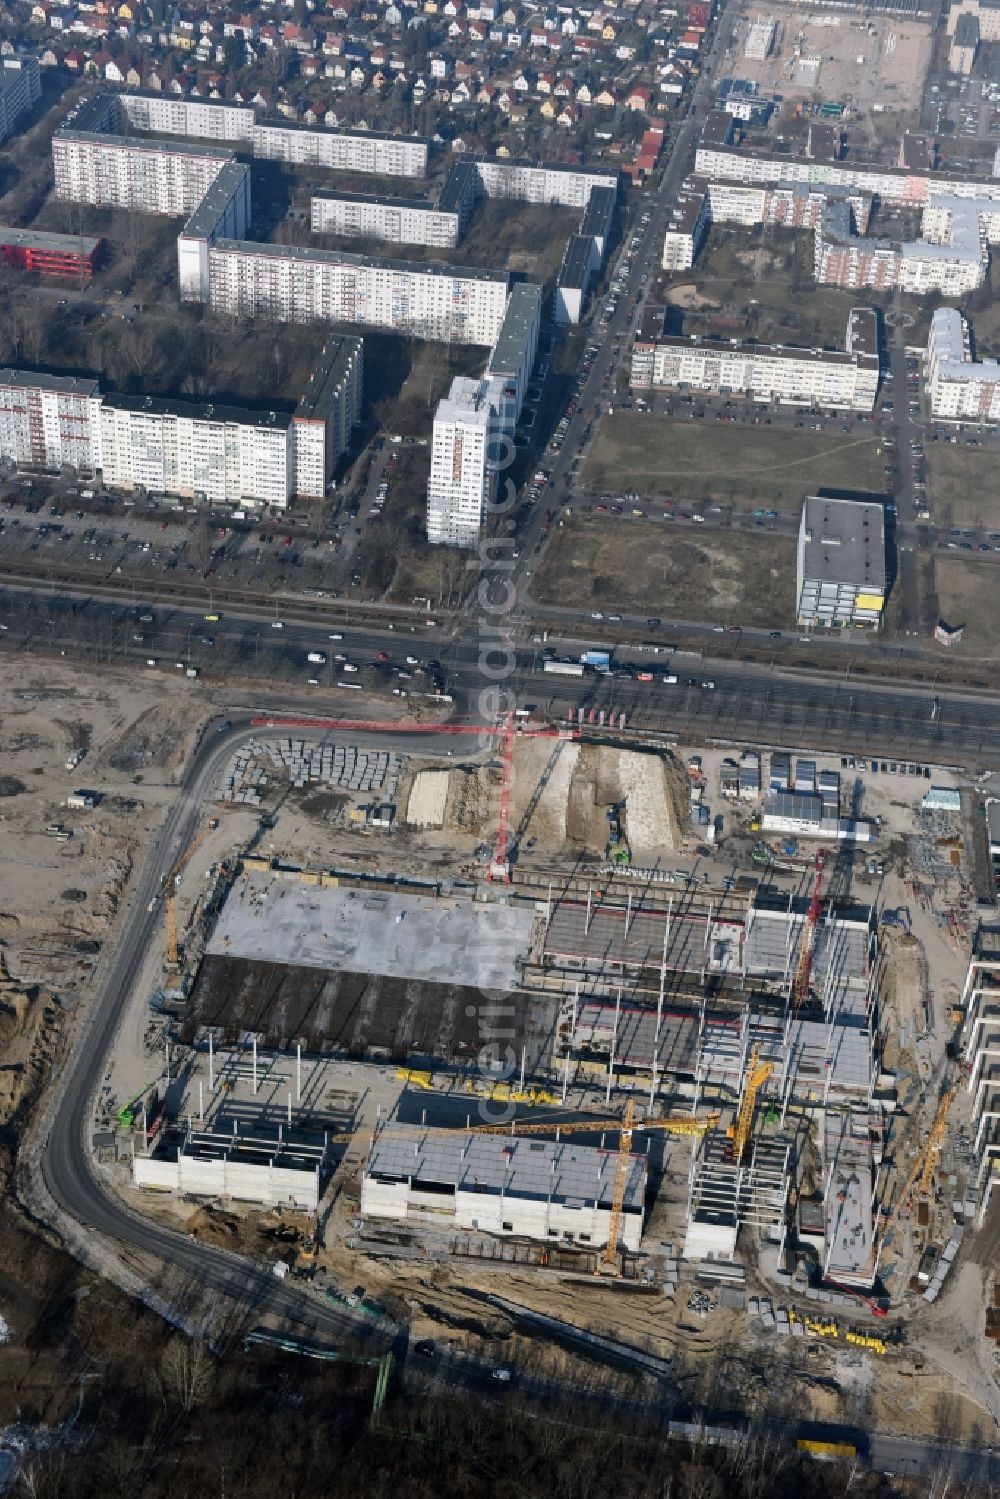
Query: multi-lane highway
(852, 711)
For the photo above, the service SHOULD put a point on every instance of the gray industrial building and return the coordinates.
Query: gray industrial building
(841, 574)
(498, 1184)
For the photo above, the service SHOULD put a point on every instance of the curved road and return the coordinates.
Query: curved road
(66, 1160)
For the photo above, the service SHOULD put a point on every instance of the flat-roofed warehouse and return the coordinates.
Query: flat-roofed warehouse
(371, 974)
(535, 1189)
(840, 562)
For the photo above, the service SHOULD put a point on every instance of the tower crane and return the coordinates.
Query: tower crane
(756, 1078)
(609, 1260)
(505, 731)
(921, 1176)
(807, 947)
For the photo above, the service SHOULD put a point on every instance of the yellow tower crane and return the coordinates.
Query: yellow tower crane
(922, 1175)
(740, 1132)
(610, 1257)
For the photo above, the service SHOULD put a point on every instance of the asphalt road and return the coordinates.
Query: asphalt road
(764, 704)
(67, 1162)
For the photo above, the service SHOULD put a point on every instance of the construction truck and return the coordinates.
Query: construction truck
(617, 850)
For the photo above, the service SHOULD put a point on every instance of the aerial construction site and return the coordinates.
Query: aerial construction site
(563, 1025)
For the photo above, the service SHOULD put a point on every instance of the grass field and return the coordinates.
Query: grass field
(967, 594)
(963, 485)
(619, 563)
(729, 463)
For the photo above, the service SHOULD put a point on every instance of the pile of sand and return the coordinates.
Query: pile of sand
(563, 792)
(428, 798)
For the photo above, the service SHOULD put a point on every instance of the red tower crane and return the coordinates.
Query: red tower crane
(505, 731)
(803, 970)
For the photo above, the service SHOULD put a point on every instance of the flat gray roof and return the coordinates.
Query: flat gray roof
(344, 257)
(418, 205)
(280, 123)
(361, 931)
(695, 341)
(600, 210)
(520, 319)
(328, 373)
(215, 202)
(40, 239)
(518, 1166)
(152, 144)
(199, 411)
(575, 269)
(844, 541)
(461, 180)
(67, 384)
(153, 94)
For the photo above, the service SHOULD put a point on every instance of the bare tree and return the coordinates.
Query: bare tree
(186, 1374)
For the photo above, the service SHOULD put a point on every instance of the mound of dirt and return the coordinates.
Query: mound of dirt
(11, 786)
(473, 796)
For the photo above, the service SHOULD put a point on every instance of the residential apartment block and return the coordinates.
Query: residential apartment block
(580, 263)
(398, 221)
(959, 387)
(219, 453)
(150, 176)
(541, 182)
(513, 354)
(202, 119)
(201, 450)
(223, 213)
(840, 563)
(830, 379)
(48, 421)
(342, 150)
(462, 477)
(20, 91)
(452, 303)
(328, 409)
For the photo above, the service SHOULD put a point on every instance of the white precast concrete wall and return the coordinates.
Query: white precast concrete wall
(199, 1176)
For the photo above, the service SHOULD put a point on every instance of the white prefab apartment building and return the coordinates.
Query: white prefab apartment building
(960, 388)
(451, 303)
(222, 454)
(111, 171)
(514, 1187)
(831, 379)
(204, 119)
(541, 182)
(48, 421)
(412, 221)
(840, 563)
(462, 476)
(201, 450)
(342, 150)
(20, 91)
(513, 354)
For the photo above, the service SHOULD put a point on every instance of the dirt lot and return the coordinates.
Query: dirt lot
(741, 579)
(707, 460)
(883, 59)
(967, 594)
(60, 896)
(963, 484)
